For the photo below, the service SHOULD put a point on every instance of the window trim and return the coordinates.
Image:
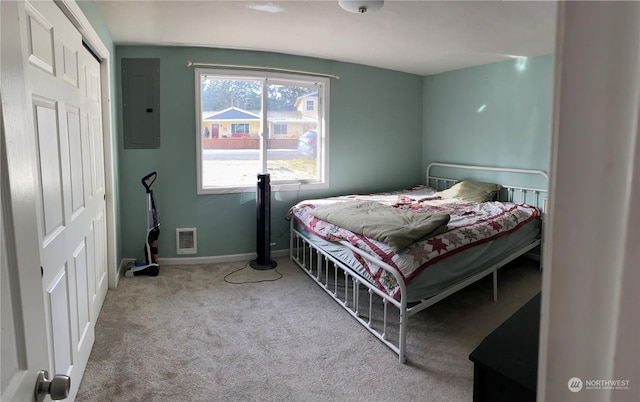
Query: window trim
(322, 107)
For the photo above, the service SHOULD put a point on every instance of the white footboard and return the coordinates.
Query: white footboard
(360, 298)
(388, 322)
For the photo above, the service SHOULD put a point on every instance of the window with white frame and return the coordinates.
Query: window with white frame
(263, 125)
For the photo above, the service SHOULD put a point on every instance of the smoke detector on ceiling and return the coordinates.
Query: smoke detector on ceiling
(362, 6)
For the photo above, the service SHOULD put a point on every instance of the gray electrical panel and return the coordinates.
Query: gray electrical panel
(141, 103)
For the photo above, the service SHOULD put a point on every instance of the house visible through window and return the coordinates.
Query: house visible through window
(260, 123)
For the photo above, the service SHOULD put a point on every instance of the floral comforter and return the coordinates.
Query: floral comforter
(470, 224)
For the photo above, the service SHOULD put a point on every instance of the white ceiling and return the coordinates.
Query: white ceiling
(420, 37)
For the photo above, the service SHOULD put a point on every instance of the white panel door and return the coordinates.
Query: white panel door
(94, 192)
(24, 342)
(62, 82)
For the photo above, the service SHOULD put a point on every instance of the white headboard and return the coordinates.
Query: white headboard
(441, 176)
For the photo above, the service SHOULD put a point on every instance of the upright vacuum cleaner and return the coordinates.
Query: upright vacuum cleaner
(150, 266)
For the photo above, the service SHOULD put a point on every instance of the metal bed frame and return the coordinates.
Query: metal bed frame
(346, 286)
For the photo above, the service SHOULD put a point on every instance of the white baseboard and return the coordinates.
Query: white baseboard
(125, 262)
(217, 259)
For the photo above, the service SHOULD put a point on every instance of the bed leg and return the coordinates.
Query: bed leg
(495, 285)
(402, 341)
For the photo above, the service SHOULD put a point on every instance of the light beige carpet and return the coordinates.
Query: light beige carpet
(187, 335)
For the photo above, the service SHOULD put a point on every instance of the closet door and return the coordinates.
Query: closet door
(24, 335)
(64, 144)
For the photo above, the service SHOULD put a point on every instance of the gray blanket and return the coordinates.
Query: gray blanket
(398, 228)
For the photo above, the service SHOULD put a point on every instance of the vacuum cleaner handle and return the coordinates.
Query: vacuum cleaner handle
(148, 180)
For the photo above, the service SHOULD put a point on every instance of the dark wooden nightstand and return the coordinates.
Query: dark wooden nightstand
(506, 361)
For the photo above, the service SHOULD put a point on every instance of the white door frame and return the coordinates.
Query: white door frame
(589, 316)
(71, 9)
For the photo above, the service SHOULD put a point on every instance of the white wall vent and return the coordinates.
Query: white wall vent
(186, 241)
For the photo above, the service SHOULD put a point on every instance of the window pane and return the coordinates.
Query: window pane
(231, 127)
(292, 152)
(252, 122)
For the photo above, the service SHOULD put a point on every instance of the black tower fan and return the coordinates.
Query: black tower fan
(263, 212)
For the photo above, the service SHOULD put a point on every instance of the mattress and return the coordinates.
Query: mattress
(426, 266)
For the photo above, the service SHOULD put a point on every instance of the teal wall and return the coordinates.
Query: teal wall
(94, 18)
(375, 144)
(513, 129)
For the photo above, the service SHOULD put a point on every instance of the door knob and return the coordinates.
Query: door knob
(57, 388)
